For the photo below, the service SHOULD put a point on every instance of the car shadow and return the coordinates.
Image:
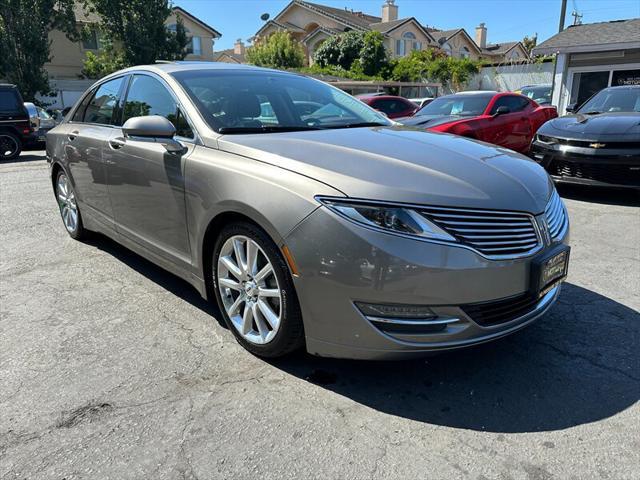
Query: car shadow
(579, 364)
(603, 195)
(29, 154)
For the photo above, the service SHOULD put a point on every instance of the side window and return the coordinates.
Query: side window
(515, 104)
(79, 113)
(390, 106)
(147, 96)
(104, 103)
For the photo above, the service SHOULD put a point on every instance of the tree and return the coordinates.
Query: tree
(137, 33)
(24, 41)
(340, 50)
(373, 56)
(279, 50)
(107, 61)
(530, 43)
(434, 65)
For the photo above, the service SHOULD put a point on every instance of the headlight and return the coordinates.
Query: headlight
(545, 139)
(399, 220)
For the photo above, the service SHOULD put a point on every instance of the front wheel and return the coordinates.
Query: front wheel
(69, 210)
(255, 292)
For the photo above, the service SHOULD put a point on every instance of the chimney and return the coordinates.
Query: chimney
(481, 36)
(238, 47)
(389, 11)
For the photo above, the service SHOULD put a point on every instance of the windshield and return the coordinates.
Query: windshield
(264, 102)
(463, 105)
(538, 94)
(613, 100)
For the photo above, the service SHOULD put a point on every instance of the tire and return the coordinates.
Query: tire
(249, 299)
(10, 146)
(69, 210)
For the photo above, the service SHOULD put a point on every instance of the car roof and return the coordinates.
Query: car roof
(621, 87)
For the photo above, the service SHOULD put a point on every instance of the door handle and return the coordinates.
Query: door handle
(117, 143)
(72, 135)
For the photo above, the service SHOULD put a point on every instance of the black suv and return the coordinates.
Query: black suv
(15, 126)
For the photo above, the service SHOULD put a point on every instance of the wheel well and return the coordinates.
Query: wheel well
(54, 174)
(210, 235)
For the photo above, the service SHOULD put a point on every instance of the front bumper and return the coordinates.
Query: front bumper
(341, 263)
(589, 166)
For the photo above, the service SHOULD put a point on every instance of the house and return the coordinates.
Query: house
(67, 57)
(458, 43)
(591, 57)
(312, 23)
(232, 55)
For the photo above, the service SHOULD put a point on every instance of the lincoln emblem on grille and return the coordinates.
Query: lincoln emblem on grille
(543, 227)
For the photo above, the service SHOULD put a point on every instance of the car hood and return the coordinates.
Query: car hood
(622, 126)
(428, 120)
(404, 165)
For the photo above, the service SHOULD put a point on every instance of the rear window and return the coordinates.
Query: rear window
(10, 101)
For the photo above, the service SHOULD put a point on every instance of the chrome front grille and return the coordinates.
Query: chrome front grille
(556, 216)
(493, 233)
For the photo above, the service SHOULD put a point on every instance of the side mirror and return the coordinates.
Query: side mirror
(153, 129)
(502, 111)
(572, 107)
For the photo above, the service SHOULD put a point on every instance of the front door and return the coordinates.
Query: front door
(87, 133)
(146, 183)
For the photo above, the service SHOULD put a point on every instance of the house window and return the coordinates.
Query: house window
(400, 51)
(447, 49)
(90, 39)
(196, 46)
(464, 52)
(417, 45)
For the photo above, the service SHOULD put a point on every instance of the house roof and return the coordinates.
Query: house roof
(443, 36)
(350, 17)
(593, 37)
(498, 48)
(183, 12)
(83, 15)
(240, 58)
(386, 27)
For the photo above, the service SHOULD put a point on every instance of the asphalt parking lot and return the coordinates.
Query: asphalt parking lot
(111, 368)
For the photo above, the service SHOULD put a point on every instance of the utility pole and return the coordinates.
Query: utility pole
(563, 11)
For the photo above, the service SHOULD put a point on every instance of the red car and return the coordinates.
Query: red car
(506, 119)
(392, 106)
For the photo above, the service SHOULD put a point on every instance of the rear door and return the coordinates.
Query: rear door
(87, 133)
(146, 183)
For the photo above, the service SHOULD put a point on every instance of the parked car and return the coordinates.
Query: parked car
(421, 102)
(541, 94)
(343, 232)
(15, 126)
(41, 123)
(506, 119)
(390, 105)
(597, 144)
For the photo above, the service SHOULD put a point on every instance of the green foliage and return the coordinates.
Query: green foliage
(352, 74)
(435, 66)
(373, 57)
(529, 43)
(279, 50)
(361, 53)
(107, 61)
(137, 31)
(24, 41)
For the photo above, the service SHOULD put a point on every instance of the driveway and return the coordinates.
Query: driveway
(111, 368)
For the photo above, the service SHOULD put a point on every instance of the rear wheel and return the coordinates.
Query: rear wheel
(255, 293)
(10, 146)
(69, 211)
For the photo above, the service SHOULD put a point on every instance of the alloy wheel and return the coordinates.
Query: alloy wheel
(249, 289)
(67, 203)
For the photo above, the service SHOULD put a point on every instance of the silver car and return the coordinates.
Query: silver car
(328, 227)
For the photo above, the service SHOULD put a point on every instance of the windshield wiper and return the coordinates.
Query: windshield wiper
(591, 112)
(267, 129)
(357, 125)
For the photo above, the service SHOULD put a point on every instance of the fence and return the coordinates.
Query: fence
(511, 77)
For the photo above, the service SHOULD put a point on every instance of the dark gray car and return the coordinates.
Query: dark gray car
(331, 228)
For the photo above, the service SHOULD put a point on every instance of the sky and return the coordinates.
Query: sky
(506, 20)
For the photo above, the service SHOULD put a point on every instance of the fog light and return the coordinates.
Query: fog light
(407, 312)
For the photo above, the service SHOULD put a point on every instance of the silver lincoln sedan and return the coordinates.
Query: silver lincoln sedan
(308, 218)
